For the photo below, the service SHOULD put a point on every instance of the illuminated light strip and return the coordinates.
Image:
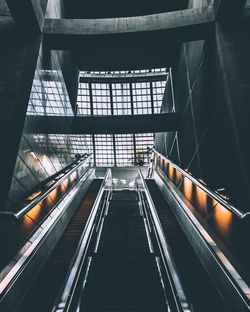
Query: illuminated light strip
(228, 269)
(20, 265)
(34, 195)
(63, 302)
(38, 199)
(18, 215)
(234, 210)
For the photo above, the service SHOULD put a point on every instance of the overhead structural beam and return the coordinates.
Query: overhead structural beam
(104, 125)
(28, 14)
(183, 25)
(126, 78)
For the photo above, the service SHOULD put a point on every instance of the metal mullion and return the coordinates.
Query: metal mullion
(94, 151)
(172, 90)
(152, 96)
(131, 98)
(91, 99)
(115, 162)
(111, 99)
(134, 143)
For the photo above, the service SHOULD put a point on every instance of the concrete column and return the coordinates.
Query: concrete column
(28, 14)
(18, 58)
(229, 9)
(229, 38)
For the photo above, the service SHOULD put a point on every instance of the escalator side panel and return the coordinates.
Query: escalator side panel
(46, 287)
(200, 289)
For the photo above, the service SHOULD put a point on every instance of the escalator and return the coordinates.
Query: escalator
(200, 290)
(17, 227)
(123, 274)
(43, 292)
(123, 251)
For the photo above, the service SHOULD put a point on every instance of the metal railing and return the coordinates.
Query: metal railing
(68, 291)
(206, 189)
(232, 277)
(179, 296)
(67, 171)
(12, 276)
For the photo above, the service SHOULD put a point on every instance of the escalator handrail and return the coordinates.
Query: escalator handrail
(18, 215)
(206, 189)
(234, 278)
(182, 304)
(14, 274)
(63, 302)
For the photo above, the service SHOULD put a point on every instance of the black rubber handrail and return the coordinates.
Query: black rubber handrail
(67, 171)
(240, 214)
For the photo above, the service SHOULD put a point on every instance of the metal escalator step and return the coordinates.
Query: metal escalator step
(123, 275)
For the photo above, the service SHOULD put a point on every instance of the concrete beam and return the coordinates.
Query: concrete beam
(105, 125)
(128, 78)
(179, 26)
(28, 14)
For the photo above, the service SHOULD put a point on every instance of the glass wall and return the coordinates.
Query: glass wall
(39, 155)
(122, 93)
(120, 98)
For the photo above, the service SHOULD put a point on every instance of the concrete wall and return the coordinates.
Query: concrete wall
(213, 139)
(71, 76)
(37, 157)
(4, 10)
(18, 57)
(198, 3)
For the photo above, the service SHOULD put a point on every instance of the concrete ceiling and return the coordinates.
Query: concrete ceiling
(115, 8)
